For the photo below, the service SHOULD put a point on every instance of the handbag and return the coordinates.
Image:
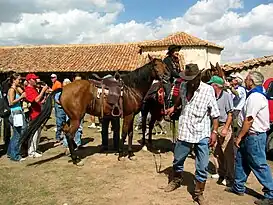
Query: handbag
(18, 119)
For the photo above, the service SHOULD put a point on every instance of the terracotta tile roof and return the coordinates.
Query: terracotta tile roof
(87, 58)
(180, 38)
(248, 64)
(70, 58)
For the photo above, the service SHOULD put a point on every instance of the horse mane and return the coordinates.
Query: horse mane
(138, 77)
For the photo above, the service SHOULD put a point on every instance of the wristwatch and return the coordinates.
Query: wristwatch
(214, 131)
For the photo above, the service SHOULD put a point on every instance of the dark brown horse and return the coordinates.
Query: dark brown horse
(154, 107)
(81, 96)
(154, 103)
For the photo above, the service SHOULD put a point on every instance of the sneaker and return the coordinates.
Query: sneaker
(215, 176)
(22, 159)
(35, 155)
(224, 182)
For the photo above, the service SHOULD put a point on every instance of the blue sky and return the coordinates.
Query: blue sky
(149, 10)
(243, 27)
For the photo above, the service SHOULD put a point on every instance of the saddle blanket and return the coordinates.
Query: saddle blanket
(106, 92)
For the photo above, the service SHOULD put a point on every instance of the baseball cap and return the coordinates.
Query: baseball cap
(31, 76)
(216, 80)
(53, 75)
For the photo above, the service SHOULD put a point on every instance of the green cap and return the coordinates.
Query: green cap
(217, 80)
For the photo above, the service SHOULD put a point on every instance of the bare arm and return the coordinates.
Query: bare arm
(229, 121)
(39, 97)
(11, 98)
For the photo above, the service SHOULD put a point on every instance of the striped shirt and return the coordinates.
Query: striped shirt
(195, 119)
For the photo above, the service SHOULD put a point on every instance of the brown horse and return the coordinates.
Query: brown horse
(82, 96)
(154, 107)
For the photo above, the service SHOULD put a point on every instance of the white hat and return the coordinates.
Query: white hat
(53, 75)
(66, 80)
(236, 75)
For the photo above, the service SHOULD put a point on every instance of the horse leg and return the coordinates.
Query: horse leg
(130, 136)
(144, 119)
(151, 127)
(123, 136)
(70, 134)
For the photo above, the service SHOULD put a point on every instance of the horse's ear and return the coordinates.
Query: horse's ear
(150, 57)
(218, 66)
(211, 66)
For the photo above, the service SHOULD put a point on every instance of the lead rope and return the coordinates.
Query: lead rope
(102, 99)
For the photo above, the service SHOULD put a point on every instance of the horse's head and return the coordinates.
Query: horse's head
(160, 70)
(217, 70)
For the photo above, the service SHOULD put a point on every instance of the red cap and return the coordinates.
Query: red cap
(31, 76)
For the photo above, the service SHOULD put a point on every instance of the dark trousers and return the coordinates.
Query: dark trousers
(115, 122)
(7, 133)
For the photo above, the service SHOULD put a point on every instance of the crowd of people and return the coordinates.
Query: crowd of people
(229, 116)
(231, 119)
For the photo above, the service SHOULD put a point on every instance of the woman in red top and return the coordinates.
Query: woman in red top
(35, 99)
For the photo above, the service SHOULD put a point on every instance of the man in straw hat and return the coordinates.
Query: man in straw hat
(199, 105)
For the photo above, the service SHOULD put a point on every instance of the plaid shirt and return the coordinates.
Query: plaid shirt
(195, 119)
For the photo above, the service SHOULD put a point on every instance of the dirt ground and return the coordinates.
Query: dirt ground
(103, 179)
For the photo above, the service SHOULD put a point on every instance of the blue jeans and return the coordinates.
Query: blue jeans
(251, 157)
(201, 149)
(13, 148)
(78, 135)
(60, 119)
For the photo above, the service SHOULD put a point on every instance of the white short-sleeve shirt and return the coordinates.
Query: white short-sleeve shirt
(256, 106)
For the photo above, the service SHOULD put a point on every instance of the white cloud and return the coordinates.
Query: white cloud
(244, 35)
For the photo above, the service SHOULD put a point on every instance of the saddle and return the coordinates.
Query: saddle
(112, 90)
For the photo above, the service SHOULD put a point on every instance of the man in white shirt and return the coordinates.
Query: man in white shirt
(199, 105)
(253, 121)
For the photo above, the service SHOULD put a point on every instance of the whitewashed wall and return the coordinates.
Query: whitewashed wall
(199, 54)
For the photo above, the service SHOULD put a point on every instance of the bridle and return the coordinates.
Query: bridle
(162, 77)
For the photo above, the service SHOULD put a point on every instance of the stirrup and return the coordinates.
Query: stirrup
(119, 112)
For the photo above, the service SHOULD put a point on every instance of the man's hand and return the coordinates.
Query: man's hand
(169, 111)
(237, 142)
(224, 132)
(45, 88)
(212, 140)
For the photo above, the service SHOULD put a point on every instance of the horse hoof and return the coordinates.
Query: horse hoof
(120, 157)
(144, 148)
(80, 164)
(132, 157)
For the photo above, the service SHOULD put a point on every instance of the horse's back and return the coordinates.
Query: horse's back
(76, 95)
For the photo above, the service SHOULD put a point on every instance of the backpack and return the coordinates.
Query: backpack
(4, 108)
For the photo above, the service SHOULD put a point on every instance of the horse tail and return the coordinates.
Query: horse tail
(41, 119)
